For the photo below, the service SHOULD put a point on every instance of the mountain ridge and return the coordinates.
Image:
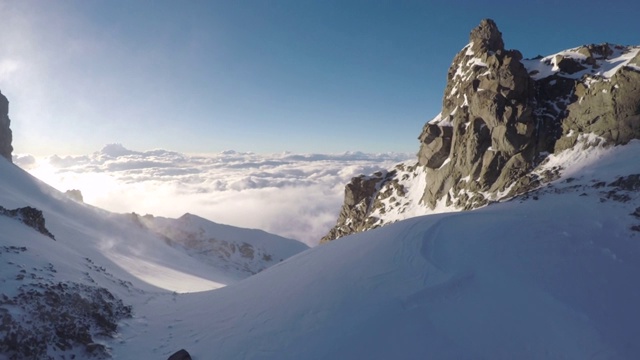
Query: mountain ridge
(501, 117)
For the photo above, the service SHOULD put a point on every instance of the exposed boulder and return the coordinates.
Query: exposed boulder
(5, 130)
(29, 216)
(181, 354)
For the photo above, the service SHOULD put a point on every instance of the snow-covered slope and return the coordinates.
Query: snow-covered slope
(125, 240)
(96, 260)
(549, 275)
(239, 252)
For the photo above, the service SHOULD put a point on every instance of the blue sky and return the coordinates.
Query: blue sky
(262, 76)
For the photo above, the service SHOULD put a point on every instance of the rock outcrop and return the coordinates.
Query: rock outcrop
(359, 197)
(501, 116)
(5, 130)
(29, 216)
(606, 106)
(486, 124)
(75, 195)
(181, 354)
(236, 251)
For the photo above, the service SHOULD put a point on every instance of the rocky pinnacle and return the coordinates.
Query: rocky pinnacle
(486, 124)
(486, 37)
(5, 130)
(501, 116)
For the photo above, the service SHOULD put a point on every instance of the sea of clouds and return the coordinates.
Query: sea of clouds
(293, 195)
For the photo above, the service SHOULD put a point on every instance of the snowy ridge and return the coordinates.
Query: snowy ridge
(465, 69)
(98, 260)
(112, 236)
(401, 198)
(237, 251)
(593, 66)
(579, 98)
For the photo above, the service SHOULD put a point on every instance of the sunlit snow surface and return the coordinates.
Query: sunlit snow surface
(116, 241)
(549, 275)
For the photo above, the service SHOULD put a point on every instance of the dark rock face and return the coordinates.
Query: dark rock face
(628, 183)
(501, 116)
(67, 316)
(487, 37)
(31, 217)
(609, 109)
(5, 131)
(486, 121)
(359, 196)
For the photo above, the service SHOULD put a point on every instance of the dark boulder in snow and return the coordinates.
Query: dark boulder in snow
(5, 130)
(29, 216)
(181, 354)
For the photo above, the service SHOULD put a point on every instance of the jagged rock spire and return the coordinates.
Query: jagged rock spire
(501, 114)
(484, 131)
(486, 37)
(5, 130)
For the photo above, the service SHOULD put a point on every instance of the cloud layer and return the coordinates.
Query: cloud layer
(293, 195)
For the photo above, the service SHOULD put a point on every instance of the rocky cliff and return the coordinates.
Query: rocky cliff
(501, 116)
(5, 130)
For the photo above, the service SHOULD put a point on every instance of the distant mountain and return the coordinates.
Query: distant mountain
(239, 252)
(502, 116)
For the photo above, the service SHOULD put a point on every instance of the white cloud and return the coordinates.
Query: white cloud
(293, 195)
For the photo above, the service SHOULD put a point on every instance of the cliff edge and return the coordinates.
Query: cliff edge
(5, 131)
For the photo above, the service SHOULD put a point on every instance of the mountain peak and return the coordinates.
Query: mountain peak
(501, 117)
(486, 36)
(116, 150)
